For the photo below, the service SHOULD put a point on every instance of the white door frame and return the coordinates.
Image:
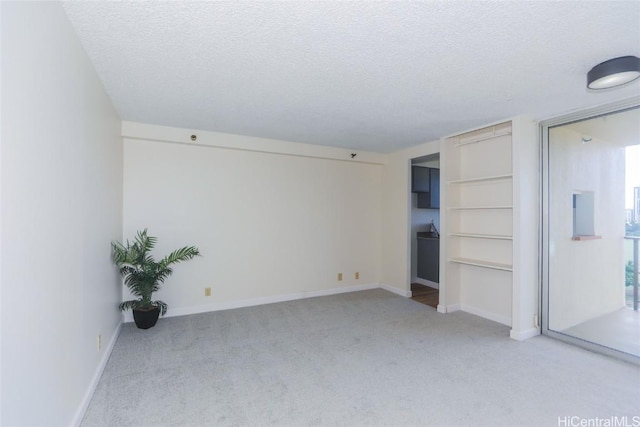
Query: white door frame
(615, 107)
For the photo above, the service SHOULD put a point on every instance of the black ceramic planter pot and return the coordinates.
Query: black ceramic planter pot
(146, 319)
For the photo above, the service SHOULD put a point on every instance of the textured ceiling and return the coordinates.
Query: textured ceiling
(376, 76)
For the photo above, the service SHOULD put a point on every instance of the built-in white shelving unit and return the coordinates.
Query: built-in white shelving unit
(489, 175)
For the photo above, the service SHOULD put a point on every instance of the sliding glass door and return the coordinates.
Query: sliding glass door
(591, 220)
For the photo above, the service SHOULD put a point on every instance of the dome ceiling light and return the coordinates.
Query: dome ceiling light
(614, 72)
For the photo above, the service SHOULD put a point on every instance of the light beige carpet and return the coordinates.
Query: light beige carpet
(364, 358)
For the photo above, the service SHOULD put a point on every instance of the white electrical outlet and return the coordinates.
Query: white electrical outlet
(99, 341)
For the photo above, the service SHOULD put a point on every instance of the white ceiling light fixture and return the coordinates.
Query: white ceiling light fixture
(614, 72)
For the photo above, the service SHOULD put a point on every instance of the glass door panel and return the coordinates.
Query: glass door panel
(592, 176)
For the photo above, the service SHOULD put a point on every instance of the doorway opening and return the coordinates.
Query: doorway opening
(425, 229)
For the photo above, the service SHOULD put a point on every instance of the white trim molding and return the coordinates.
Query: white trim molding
(403, 293)
(487, 315)
(228, 305)
(449, 308)
(426, 282)
(84, 404)
(148, 132)
(524, 335)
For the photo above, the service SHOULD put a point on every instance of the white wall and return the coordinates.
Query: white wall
(396, 216)
(267, 224)
(61, 206)
(586, 278)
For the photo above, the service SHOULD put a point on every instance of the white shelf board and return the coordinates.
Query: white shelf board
(482, 179)
(464, 208)
(481, 263)
(496, 132)
(482, 236)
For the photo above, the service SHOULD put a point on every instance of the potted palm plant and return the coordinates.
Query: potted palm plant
(143, 275)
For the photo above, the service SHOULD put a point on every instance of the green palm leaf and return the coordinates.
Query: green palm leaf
(141, 273)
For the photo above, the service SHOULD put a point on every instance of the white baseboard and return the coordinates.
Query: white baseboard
(524, 335)
(228, 305)
(519, 336)
(77, 419)
(403, 293)
(448, 308)
(486, 314)
(425, 282)
(453, 307)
